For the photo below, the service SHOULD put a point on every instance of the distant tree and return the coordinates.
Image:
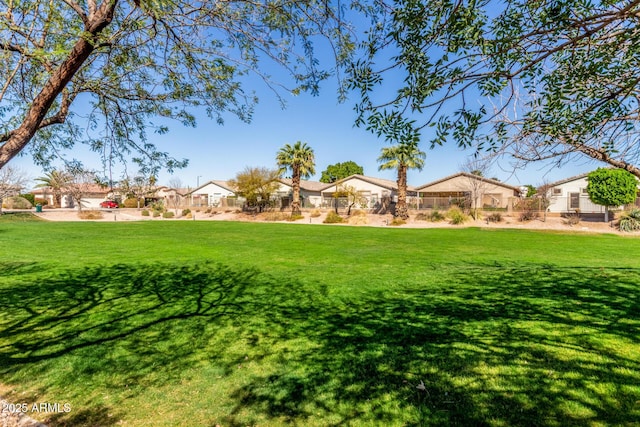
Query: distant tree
(56, 181)
(80, 183)
(139, 187)
(611, 187)
(476, 186)
(338, 171)
(300, 160)
(175, 183)
(352, 195)
(130, 61)
(256, 185)
(531, 190)
(12, 182)
(402, 157)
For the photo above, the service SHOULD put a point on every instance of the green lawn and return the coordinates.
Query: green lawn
(219, 323)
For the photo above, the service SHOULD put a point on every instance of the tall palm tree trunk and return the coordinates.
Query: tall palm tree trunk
(295, 184)
(402, 211)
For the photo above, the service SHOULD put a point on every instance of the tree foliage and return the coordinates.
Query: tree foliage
(12, 182)
(55, 181)
(351, 195)
(540, 79)
(612, 187)
(338, 171)
(299, 159)
(402, 157)
(256, 185)
(106, 72)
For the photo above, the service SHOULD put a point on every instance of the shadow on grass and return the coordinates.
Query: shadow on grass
(490, 346)
(481, 346)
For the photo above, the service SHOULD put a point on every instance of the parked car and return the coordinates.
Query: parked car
(109, 204)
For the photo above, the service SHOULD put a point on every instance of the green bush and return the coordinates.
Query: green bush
(168, 214)
(155, 214)
(186, 212)
(30, 197)
(144, 212)
(436, 216)
(630, 221)
(158, 207)
(295, 217)
(333, 218)
(456, 216)
(42, 202)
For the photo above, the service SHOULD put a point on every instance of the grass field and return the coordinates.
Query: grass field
(236, 324)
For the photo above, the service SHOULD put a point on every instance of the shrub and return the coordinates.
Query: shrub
(422, 217)
(456, 216)
(90, 215)
(158, 207)
(630, 221)
(274, 216)
(315, 213)
(16, 202)
(397, 221)
(155, 214)
(333, 218)
(132, 203)
(359, 218)
(494, 217)
(571, 219)
(144, 212)
(30, 197)
(186, 212)
(295, 217)
(168, 214)
(528, 215)
(436, 216)
(42, 202)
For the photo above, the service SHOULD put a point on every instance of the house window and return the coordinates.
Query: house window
(557, 191)
(574, 201)
(583, 190)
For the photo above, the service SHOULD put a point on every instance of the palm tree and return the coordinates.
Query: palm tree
(300, 159)
(56, 181)
(402, 157)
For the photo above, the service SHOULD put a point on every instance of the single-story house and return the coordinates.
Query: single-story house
(379, 193)
(214, 193)
(570, 195)
(93, 196)
(310, 192)
(466, 189)
(172, 197)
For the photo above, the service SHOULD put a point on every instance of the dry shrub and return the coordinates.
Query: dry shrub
(274, 216)
(397, 221)
(295, 217)
(358, 218)
(456, 216)
(333, 218)
(90, 215)
(315, 213)
(571, 219)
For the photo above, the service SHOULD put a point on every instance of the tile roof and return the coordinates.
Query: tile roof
(468, 175)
